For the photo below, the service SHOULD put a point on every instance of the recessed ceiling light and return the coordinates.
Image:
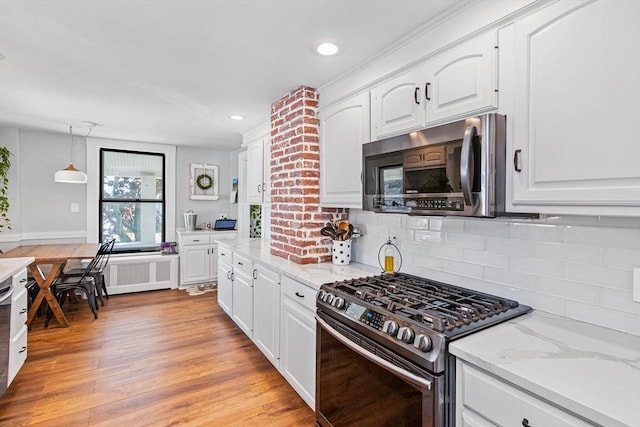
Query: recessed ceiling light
(236, 117)
(327, 48)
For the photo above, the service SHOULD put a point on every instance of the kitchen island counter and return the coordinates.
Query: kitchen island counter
(314, 275)
(589, 370)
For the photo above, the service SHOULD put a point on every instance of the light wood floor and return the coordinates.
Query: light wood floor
(159, 358)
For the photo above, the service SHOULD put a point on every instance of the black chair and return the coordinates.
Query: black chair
(103, 255)
(85, 283)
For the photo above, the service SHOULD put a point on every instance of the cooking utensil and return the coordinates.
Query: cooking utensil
(329, 232)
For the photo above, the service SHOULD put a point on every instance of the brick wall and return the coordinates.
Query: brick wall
(296, 216)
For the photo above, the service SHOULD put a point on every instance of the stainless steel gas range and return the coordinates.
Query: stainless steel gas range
(382, 348)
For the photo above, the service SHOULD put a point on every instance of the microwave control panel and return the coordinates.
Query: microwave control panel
(436, 203)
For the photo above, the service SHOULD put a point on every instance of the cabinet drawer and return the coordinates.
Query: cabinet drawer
(506, 405)
(225, 255)
(243, 264)
(17, 352)
(198, 239)
(18, 310)
(299, 292)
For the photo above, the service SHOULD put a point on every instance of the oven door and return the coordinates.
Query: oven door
(373, 386)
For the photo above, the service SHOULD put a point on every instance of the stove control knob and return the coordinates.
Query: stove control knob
(328, 298)
(406, 334)
(390, 327)
(321, 295)
(338, 303)
(422, 343)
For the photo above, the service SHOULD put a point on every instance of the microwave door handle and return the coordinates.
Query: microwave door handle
(467, 164)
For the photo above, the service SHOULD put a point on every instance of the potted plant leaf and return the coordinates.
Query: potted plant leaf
(5, 164)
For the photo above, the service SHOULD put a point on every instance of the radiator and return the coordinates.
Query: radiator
(135, 273)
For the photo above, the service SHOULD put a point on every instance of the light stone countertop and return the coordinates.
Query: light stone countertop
(587, 369)
(312, 275)
(10, 266)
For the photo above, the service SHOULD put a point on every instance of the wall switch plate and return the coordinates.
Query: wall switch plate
(636, 284)
(75, 207)
(223, 216)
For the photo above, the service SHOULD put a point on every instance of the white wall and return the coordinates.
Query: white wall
(578, 267)
(40, 209)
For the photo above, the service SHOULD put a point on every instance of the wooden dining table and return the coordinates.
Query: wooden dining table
(57, 256)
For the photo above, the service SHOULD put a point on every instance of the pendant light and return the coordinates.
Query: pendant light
(71, 175)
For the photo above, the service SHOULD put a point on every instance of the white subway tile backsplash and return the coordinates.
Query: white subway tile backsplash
(619, 300)
(464, 240)
(620, 222)
(621, 259)
(569, 253)
(509, 246)
(573, 266)
(462, 268)
(493, 228)
(536, 266)
(604, 277)
(610, 318)
(608, 237)
(486, 258)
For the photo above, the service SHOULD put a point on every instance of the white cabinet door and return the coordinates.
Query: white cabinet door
(266, 313)
(462, 81)
(298, 338)
(225, 287)
(17, 353)
(196, 261)
(255, 171)
(213, 262)
(243, 301)
(398, 105)
(575, 100)
(266, 169)
(344, 127)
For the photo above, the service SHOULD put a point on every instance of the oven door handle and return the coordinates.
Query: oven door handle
(407, 376)
(466, 164)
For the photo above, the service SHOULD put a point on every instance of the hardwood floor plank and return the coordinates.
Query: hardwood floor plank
(159, 358)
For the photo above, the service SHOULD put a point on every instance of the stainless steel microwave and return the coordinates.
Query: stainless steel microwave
(453, 169)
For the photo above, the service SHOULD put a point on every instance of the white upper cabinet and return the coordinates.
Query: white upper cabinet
(344, 127)
(574, 94)
(398, 104)
(259, 170)
(458, 82)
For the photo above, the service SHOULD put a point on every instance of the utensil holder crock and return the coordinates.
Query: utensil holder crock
(341, 252)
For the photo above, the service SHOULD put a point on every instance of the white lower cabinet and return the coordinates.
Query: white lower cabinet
(242, 301)
(298, 338)
(198, 255)
(266, 313)
(18, 328)
(225, 280)
(483, 400)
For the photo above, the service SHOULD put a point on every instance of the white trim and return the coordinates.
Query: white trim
(42, 235)
(93, 169)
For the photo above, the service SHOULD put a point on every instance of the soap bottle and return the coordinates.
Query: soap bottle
(388, 258)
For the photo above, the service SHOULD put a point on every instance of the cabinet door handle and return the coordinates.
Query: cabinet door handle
(23, 280)
(240, 263)
(525, 423)
(517, 165)
(426, 91)
(255, 273)
(415, 95)
(259, 191)
(23, 311)
(229, 275)
(22, 350)
(196, 240)
(299, 295)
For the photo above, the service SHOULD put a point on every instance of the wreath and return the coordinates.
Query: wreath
(204, 181)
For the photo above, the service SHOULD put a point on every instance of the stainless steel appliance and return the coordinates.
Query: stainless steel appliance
(6, 293)
(453, 169)
(382, 342)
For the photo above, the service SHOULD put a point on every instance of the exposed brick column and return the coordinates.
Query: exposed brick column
(296, 216)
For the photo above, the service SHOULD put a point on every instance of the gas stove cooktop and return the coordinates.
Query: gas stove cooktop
(413, 315)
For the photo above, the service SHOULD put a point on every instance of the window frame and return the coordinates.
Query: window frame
(102, 200)
(94, 179)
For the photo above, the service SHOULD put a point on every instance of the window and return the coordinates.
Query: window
(132, 199)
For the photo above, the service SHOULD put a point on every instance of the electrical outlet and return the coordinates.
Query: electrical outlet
(75, 207)
(223, 216)
(636, 284)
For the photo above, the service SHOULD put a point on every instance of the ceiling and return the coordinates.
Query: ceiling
(173, 71)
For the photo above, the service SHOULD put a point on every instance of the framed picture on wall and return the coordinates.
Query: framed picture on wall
(203, 182)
